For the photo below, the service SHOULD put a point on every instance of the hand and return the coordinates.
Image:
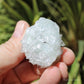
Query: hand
(15, 70)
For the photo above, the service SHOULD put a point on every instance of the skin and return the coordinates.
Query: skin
(14, 69)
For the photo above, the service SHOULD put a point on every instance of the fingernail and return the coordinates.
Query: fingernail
(21, 26)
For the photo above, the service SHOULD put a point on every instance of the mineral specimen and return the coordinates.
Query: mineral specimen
(42, 43)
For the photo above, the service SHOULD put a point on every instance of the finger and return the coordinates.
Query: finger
(11, 78)
(25, 72)
(63, 69)
(68, 56)
(1, 79)
(10, 52)
(51, 75)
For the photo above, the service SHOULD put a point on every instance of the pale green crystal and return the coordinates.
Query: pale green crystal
(42, 42)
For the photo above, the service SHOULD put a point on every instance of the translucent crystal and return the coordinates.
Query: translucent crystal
(42, 43)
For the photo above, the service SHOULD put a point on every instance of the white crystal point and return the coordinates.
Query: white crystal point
(42, 43)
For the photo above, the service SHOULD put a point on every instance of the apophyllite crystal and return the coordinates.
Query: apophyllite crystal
(42, 43)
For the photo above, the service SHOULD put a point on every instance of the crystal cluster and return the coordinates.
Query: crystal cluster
(42, 43)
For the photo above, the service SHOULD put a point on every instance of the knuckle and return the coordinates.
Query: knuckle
(9, 47)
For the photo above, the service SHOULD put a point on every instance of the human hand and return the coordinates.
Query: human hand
(13, 71)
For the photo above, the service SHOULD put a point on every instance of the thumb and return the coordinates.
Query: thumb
(10, 52)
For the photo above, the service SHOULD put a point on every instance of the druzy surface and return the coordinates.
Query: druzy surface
(42, 43)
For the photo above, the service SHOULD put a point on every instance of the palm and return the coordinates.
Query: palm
(25, 72)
